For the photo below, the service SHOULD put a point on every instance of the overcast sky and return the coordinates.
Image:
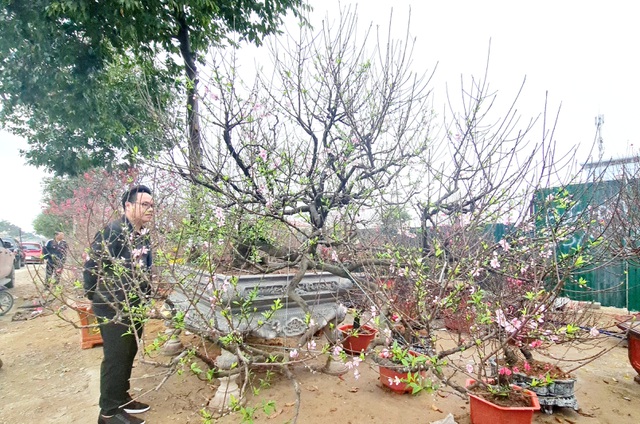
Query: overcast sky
(583, 53)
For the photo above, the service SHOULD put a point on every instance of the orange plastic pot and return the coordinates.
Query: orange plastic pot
(357, 342)
(485, 412)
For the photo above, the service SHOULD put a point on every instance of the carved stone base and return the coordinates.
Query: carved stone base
(227, 393)
(321, 292)
(172, 347)
(333, 367)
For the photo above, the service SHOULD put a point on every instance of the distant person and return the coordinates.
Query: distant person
(55, 253)
(117, 276)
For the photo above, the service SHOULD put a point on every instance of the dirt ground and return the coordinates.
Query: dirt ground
(48, 378)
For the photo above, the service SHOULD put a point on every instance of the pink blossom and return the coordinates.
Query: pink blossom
(311, 345)
(356, 374)
(385, 353)
(394, 381)
(225, 285)
(495, 263)
(263, 155)
(527, 367)
(508, 326)
(594, 332)
(408, 234)
(336, 350)
(504, 371)
(293, 354)
(505, 246)
(220, 216)
(516, 369)
(469, 368)
(136, 253)
(535, 344)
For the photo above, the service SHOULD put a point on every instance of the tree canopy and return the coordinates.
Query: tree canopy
(76, 76)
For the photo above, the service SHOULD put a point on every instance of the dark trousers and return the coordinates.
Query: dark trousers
(120, 347)
(50, 273)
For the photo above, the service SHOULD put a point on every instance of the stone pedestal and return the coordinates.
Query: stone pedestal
(173, 345)
(334, 367)
(228, 393)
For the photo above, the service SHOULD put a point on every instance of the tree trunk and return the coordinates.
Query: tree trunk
(193, 119)
(193, 122)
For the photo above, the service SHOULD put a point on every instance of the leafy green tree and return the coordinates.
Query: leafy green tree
(9, 229)
(78, 103)
(47, 224)
(74, 71)
(56, 190)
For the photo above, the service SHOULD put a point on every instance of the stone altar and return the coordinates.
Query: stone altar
(194, 297)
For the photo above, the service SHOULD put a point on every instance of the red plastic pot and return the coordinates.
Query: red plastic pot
(357, 342)
(633, 340)
(388, 378)
(485, 412)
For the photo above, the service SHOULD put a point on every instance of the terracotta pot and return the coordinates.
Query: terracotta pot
(461, 319)
(359, 342)
(388, 379)
(633, 339)
(457, 323)
(484, 412)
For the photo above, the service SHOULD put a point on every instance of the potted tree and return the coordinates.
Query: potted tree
(356, 337)
(402, 370)
(501, 402)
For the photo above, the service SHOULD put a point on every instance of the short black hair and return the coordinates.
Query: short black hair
(131, 194)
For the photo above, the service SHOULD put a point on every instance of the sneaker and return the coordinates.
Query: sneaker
(120, 418)
(135, 407)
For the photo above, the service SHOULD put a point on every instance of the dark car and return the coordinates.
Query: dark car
(14, 245)
(33, 252)
(7, 269)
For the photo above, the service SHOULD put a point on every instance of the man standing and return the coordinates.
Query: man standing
(55, 254)
(117, 278)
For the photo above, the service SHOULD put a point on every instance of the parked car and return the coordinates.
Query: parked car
(33, 252)
(14, 245)
(7, 264)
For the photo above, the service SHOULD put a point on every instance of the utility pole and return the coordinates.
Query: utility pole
(599, 123)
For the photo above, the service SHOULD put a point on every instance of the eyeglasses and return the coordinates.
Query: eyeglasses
(146, 205)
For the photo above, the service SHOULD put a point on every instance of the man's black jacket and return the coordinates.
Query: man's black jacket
(117, 271)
